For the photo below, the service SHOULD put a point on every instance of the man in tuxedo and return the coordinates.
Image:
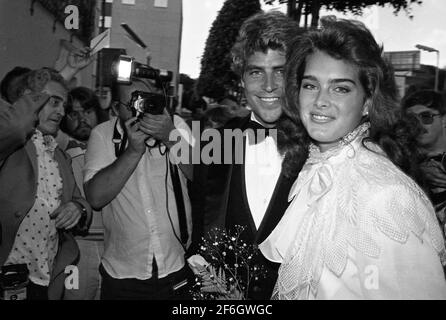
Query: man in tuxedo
(253, 192)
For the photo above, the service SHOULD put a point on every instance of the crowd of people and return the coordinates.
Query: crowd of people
(342, 181)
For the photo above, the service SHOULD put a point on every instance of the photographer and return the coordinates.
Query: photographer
(146, 217)
(430, 109)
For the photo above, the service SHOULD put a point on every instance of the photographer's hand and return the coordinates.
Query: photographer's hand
(108, 182)
(76, 61)
(434, 173)
(136, 136)
(158, 126)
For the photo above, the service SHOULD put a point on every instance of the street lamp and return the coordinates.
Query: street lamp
(429, 49)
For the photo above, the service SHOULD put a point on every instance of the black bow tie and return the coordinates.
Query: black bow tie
(260, 132)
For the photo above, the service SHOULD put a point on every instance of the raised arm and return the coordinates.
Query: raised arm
(105, 185)
(18, 121)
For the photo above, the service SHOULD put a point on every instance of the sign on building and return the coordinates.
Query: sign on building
(404, 60)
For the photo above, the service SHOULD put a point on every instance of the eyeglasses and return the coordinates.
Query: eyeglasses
(426, 117)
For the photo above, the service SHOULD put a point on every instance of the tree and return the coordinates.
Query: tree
(188, 90)
(297, 8)
(216, 77)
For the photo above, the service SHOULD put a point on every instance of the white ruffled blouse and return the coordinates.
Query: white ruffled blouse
(357, 228)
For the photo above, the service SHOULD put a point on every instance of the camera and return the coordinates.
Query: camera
(127, 68)
(13, 282)
(146, 102)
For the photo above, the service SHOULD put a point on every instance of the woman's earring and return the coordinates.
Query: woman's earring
(365, 112)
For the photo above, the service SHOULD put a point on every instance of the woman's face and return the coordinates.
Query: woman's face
(331, 99)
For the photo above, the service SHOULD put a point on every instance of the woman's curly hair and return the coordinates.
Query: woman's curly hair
(350, 41)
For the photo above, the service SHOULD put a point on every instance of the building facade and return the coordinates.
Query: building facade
(158, 23)
(31, 36)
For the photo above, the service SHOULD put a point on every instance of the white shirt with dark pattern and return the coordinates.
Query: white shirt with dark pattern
(36, 241)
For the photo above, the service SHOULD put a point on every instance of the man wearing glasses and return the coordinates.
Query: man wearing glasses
(430, 109)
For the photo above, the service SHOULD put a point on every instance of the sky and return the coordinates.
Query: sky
(396, 33)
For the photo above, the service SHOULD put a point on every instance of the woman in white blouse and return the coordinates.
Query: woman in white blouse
(358, 226)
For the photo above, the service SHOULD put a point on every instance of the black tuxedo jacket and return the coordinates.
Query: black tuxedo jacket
(223, 203)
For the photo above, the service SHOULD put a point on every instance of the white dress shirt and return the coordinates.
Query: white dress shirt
(262, 169)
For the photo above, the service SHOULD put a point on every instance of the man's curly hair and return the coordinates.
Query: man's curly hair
(260, 32)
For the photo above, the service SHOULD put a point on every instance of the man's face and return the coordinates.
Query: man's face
(433, 125)
(263, 83)
(53, 111)
(81, 121)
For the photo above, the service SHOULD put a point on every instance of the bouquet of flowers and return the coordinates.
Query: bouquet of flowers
(228, 269)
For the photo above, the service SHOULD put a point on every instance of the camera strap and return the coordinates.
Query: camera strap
(184, 236)
(119, 140)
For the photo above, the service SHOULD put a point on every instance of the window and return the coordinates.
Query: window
(161, 3)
